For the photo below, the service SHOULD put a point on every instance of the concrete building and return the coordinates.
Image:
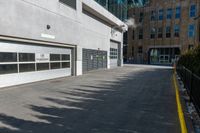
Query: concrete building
(42, 40)
(165, 29)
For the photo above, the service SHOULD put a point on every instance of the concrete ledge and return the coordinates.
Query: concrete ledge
(99, 11)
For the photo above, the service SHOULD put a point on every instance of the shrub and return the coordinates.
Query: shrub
(191, 60)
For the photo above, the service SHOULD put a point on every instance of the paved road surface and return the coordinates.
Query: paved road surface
(123, 100)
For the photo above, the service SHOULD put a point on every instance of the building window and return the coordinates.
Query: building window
(8, 57)
(168, 32)
(65, 57)
(153, 33)
(160, 14)
(178, 12)
(169, 13)
(65, 64)
(153, 15)
(71, 3)
(42, 66)
(133, 35)
(54, 57)
(26, 57)
(141, 17)
(8, 68)
(190, 47)
(176, 30)
(191, 30)
(140, 49)
(160, 32)
(132, 51)
(27, 67)
(55, 65)
(141, 34)
(192, 10)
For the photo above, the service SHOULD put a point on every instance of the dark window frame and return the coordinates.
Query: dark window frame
(67, 2)
(168, 32)
(160, 32)
(10, 56)
(140, 36)
(176, 31)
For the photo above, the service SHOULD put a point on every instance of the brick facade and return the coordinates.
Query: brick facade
(152, 50)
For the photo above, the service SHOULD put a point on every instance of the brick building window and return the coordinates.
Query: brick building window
(160, 32)
(176, 30)
(160, 14)
(140, 33)
(153, 15)
(190, 47)
(140, 49)
(168, 32)
(169, 13)
(133, 35)
(178, 12)
(192, 10)
(191, 29)
(132, 51)
(153, 33)
(141, 17)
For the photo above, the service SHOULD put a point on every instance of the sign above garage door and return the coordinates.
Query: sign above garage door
(42, 57)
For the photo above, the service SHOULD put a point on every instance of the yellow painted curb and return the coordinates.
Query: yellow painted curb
(179, 107)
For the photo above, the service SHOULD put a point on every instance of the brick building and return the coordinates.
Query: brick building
(165, 29)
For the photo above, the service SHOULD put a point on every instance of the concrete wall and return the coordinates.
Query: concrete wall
(28, 19)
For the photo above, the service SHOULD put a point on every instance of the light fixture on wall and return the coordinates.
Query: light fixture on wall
(122, 27)
(48, 27)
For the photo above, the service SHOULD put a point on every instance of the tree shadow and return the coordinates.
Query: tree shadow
(104, 108)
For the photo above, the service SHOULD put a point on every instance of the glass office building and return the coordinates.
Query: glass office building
(137, 3)
(117, 7)
(120, 7)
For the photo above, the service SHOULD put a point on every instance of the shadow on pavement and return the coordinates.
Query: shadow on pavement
(109, 107)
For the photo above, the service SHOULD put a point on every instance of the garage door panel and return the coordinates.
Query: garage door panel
(115, 54)
(34, 63)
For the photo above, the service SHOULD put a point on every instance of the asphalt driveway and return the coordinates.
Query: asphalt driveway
(132, 99)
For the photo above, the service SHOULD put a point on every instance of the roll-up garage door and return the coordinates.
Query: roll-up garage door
(94, 59)
(25, 63)
(115, 54)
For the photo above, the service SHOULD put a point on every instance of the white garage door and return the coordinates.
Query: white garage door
(21, 63)
(114, 54)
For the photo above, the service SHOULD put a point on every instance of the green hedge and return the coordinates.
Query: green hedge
(191, 60)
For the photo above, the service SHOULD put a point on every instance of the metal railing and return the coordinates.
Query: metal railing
(192, 84)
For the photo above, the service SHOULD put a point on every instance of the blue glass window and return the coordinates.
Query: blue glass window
(191, 29)
(178, 12)
(176, 30)
(169, 13)
(160, 14)
(192, 10)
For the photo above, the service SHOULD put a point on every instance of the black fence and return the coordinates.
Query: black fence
(192, 84)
